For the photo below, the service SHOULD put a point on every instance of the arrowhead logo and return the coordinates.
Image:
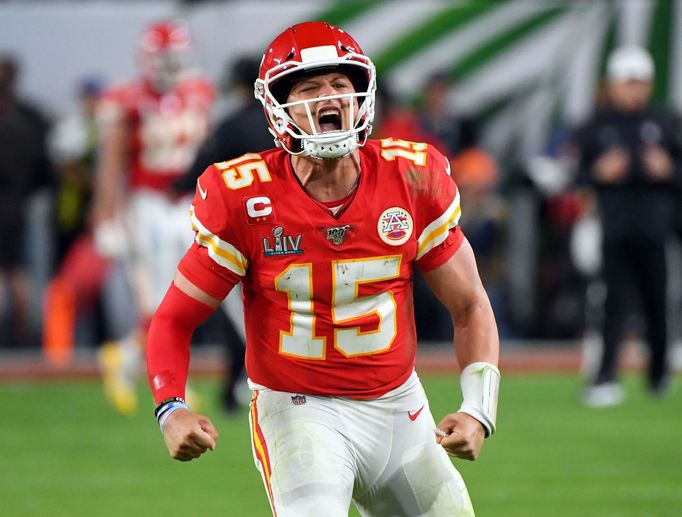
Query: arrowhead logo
(413, 416)
(203, 193)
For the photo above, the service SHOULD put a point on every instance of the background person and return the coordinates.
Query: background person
(152, 128)
(630, 159)
(24, 169)
(74, 311)
(73, 143)
(455, 131)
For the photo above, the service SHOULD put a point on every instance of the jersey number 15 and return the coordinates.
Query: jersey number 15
(347, 306)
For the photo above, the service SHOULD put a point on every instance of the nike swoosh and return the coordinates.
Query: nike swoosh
(413, 416)
(203, 193)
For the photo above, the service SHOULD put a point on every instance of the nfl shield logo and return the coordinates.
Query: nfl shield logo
(298, 400)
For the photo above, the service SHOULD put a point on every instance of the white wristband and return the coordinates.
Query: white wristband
(480, 383)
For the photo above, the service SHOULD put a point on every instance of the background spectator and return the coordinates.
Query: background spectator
(73, 296)
(73, 144)
(455, 131)
(630, 158)
(152, 127)
(24, 168)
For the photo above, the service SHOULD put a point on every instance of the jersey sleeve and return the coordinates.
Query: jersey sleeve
(216, 241)
(439, 212)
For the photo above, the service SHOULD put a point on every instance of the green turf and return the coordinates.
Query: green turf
(64, 453)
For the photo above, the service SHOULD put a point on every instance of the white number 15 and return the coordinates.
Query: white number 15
(347, 305)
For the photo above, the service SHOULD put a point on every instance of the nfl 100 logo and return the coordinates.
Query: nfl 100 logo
(395, 226)
(298, 400)
(337, 234)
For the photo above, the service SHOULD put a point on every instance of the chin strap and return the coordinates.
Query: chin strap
(480, 383)
(330, 150)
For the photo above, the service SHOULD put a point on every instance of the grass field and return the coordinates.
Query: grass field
(64, 453)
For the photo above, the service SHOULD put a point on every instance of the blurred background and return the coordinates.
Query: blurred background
(508, 79)
(498, 86)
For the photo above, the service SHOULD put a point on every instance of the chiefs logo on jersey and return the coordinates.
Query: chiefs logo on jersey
(395, 226)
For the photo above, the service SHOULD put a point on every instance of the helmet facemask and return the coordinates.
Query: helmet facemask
(357, 107)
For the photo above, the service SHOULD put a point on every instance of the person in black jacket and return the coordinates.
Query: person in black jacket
(629, 158)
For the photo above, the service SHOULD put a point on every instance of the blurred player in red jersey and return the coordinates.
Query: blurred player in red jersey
(152, 127)
(324, 233)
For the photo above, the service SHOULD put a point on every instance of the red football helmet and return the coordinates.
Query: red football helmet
(165, 54)
(314, 47)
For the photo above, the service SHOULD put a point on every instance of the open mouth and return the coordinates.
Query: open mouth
(329, 120)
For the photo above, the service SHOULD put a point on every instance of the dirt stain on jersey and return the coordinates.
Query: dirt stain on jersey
(419, 181)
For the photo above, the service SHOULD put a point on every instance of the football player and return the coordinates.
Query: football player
(152, 127)
(324, 232)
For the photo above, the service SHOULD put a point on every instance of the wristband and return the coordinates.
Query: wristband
(480, 383)
(167, 408)
(160, 405)
(172, 408)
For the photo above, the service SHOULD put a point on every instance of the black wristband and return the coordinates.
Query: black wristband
(160, 405)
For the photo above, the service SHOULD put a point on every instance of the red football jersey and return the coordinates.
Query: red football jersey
(166, 129)
(328, 300)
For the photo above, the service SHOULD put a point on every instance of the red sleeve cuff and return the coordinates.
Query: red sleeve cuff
(442, 253)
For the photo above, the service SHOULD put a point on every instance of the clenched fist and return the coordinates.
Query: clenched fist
(188, 435)
(464, 435)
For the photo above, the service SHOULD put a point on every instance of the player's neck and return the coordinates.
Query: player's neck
(327, 180)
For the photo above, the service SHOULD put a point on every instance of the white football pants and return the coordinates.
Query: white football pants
(316, 454)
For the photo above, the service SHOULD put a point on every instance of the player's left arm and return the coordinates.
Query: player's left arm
(458, 286)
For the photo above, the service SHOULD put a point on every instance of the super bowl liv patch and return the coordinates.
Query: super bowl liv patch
(281, 244)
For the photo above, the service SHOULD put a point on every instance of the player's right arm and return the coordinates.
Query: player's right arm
(203, 279)
(187, 434)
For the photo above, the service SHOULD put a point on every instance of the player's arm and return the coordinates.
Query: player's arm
(186, 305)
(458, 286)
